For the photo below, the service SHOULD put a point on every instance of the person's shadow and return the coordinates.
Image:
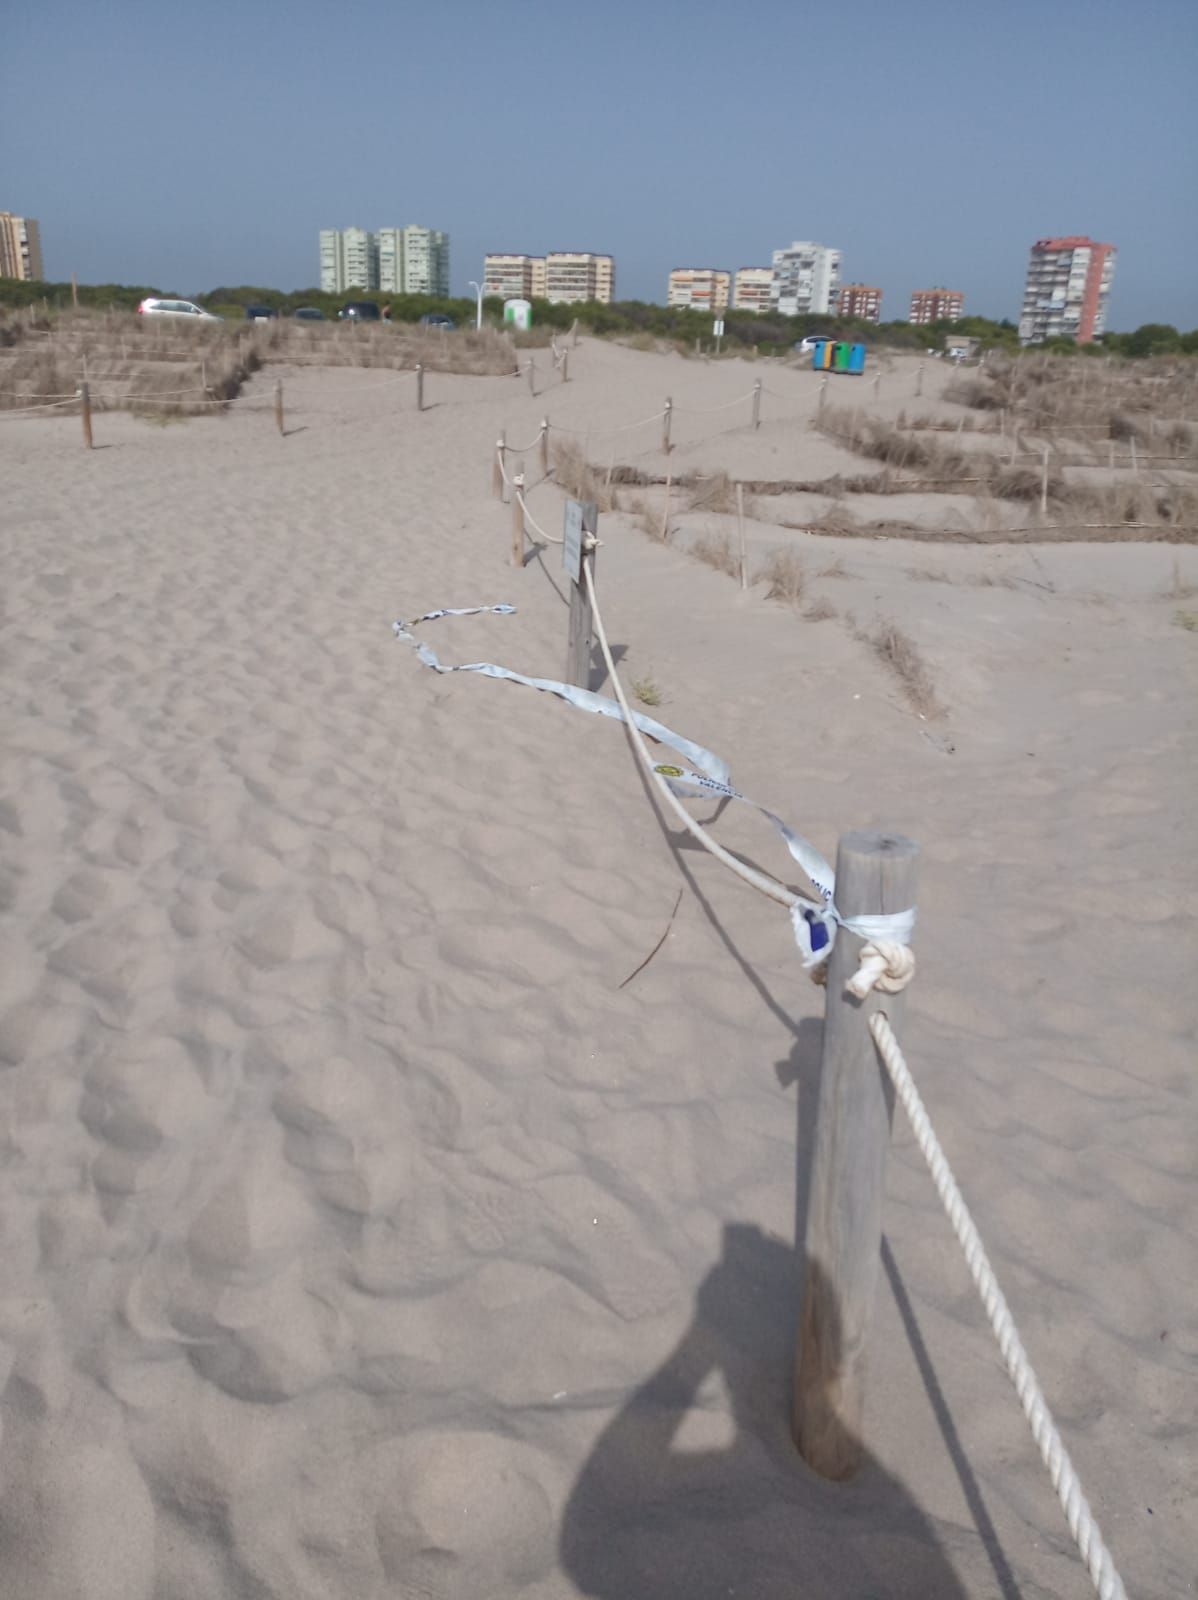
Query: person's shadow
(686, 1497)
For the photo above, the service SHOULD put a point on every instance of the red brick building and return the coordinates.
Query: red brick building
(936, 305)
(860, 300)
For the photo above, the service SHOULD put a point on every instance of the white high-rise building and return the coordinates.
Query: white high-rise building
(1068, 285)
(806, 277)
(20, 247)
(349, 259)
(425, 261)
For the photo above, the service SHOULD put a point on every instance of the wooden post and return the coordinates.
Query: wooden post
(565, 366)
(740, 523)
(1044, 480)
(875, 872)
(279, 405)
(85, 411)
(517, 520)
(204, 374)
(497, 466)
(544, 447)
(579, 638)
(877, 384)
(823, 385)
(919, 379)
(75, 290)
(665, 426)
(574, 334)
(665, 516)
(420, 386)
(532, 376)
(757, 404)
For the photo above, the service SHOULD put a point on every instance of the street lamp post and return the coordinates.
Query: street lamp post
(478, 291)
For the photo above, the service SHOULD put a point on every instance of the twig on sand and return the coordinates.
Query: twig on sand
(656, 947)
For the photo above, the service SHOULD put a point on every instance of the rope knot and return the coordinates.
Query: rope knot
(884, 965)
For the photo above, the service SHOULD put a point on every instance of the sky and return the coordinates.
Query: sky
(931, 141)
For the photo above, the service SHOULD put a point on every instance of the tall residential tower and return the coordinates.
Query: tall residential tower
(1068, 286)
(20, 248)
(806, 276)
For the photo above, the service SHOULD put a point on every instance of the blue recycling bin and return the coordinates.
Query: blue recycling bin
(857, 358)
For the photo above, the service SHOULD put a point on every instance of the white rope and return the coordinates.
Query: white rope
(877, 968)
(607, 432)
(26, 411)
(709, 411)
(757, 880)
(521, 449)
(499, 458)
(550, 538)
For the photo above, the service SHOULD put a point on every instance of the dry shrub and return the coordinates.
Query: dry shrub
(821, 611)
(979, 393)
(717, 493)
(715, 550)
(835, 569)
(784, 575)
(575, 474)
(899, 652)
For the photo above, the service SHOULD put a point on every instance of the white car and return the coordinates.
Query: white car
(175, 308)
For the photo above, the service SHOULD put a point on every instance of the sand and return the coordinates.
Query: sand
(362, 1236)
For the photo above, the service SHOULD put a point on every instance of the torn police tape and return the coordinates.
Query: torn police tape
(814, 921)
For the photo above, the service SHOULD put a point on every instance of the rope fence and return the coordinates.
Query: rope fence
(881, 962)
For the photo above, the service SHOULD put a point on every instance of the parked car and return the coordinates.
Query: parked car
(155, 307)
(437, 319)
(309, 314)
(260, 313)
(807, 345)
(360, 311)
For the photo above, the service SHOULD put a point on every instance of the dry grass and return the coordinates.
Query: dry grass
(899, 652)
(715, 550)
(717, 493)
(1187, 620)
(783, 574)
(820, 611)
(581, 481)
(647, 691)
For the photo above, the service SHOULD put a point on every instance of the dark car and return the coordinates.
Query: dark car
(260, 313)
(309, 314)
(360, 311)
(437, 319)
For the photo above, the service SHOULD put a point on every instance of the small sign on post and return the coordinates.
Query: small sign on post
(717, 328)
(578, 546)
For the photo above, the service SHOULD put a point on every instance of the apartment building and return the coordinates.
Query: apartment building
(349, 259)
(514, 277)
(1067, 289)
(572, 276)
(699, 289)
(20, 248)
(751, 288)
(411, 260)
(860, 300)
(936, 305)
(806, 276)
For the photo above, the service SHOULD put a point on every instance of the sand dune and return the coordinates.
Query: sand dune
(363, 1237)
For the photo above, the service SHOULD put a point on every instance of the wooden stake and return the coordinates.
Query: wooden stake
(85, 411)
(497, 467)
(419, 386)
(823, 385)
(877, 384)
(740, 523)
(579, 638)
(665, 426)
(875, 872)
(532, 377)
(757, 404)
(565, 366)
(204, 373)
(574, 334)
(1044, 480)
(665, 516)
(544, 447)
(75, 291)
(517, 519)
(279, 405)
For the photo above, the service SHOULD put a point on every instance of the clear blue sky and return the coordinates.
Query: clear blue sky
(932, 141)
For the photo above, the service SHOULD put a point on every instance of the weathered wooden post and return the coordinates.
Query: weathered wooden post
(544, 447)
(875, 872)
(919, 378)
(574, 334)
(85, 411)
(823, 385)
(565, 366)
(579, 548)
(740, 523)
(497, 466)
(877, 384)
(75, 291)
(757, 404)
(665, 426)
(204, 374)
(665, 515)
(420, 386)
(1044, 480)
(279, 405)
(518, 518)
(532, 376)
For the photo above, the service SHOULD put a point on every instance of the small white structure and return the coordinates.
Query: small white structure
(518, 313)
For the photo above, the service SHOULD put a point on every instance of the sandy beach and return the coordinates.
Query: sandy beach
(363, 1237)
